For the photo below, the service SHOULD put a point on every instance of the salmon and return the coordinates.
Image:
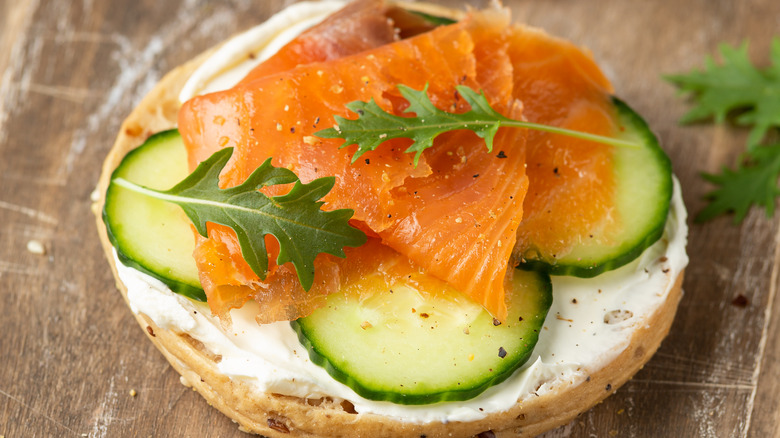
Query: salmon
(398, 202)
(359, 26)
(571, 181)
(461, 215)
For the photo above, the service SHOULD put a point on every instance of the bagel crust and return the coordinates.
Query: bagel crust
(275, 415)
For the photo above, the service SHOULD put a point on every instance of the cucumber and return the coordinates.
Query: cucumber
(150, 235)
(417, 348)
(643, 194)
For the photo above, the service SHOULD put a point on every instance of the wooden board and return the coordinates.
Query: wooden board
(71, 351)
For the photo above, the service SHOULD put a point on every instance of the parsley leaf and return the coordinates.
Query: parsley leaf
(735, 84)
(753, 182)
(295, 219)
(375, 126)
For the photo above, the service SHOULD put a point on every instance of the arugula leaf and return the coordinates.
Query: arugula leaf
(375, 126)
(294, 219)
(753, 182)
(735, 84)
(719, 91)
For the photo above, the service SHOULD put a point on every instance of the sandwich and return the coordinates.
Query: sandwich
(393, 219)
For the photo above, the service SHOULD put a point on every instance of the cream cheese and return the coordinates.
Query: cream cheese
(589, 323)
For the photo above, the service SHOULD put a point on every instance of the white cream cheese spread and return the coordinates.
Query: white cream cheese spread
(590, 322)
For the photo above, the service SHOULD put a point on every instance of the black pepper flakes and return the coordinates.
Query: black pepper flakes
(740, 301)
(609, 387)
(292, 130)
(501, 154)
(501, 352)
(496, 322)
(368, 161)
(476, 175)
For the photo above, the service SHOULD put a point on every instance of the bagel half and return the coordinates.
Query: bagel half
(276, 415)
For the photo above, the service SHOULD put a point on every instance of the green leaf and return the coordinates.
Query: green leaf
(375, 126)
(753, 182)
(735, 84)
(302, 229)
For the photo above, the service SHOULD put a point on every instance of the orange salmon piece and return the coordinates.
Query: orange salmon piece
(277, 115)
(472, 203)
(334, 37)
(359, 26)
(571, 181)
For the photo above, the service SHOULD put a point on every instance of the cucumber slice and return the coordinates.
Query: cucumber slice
(643, 193)
(150, 235)
(413, 348)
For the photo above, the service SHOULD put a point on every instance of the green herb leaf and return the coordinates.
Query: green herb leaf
(374, 125)
(294, 219)
(753, 182)
(735, 84)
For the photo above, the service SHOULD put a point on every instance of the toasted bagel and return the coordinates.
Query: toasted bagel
(277, 415)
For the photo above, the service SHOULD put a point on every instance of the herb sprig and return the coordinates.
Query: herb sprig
(375, 126)
(735, 87)
(302, 229)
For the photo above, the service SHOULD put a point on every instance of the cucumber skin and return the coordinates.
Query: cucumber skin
(185, 289)
(590, 270)
(544, 299)
(180, 288)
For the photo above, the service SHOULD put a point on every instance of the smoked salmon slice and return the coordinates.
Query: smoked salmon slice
(480, 194)
(359, 26)
(571, 195)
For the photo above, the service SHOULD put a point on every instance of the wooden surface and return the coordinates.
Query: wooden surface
(71, 351)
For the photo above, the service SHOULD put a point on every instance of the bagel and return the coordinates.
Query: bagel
(557, 395)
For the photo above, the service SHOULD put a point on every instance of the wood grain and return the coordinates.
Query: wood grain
(71, 351)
